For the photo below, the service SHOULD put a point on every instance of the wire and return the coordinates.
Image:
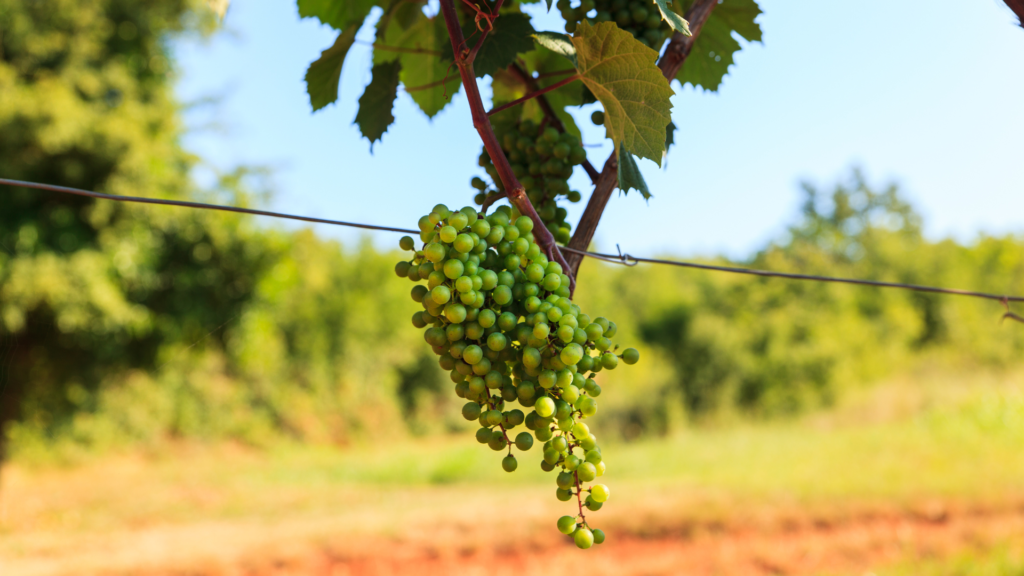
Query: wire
(620, 258)
(79, 192)
(629, 260)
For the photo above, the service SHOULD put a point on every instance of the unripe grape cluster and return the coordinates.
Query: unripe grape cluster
(498, 314)
(542, 160)
(641, 19)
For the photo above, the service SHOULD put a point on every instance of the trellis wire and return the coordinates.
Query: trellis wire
(620, 258)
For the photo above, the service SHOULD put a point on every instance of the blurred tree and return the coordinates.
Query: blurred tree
(90, 288)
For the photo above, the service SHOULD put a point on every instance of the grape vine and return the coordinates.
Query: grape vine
(543, 160)
(499, 315)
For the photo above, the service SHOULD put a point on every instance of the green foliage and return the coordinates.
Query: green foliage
(713, 50)
(428, 78)
(374, 116)
(621, 73)
(678, 23)
(629, 174)
(324, 74)
(337, 15)
(512, 35)
(559, 44)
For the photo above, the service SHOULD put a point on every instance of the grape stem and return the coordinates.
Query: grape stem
(516, 193)
(579, 499)
(502, 426)
(535, 94)
(491, 199)
(671, 61)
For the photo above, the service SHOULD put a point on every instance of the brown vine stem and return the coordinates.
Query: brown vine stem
(490, 26)
(534, 94)
(671, 61)
(549, 113)
(516, 193)
(491, 199)
(1018, 8)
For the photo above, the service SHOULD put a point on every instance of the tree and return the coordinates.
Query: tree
(90, 289)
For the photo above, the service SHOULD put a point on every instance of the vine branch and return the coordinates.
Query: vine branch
(671, 61)
(549, 113)
(535, 94)
(515, 191)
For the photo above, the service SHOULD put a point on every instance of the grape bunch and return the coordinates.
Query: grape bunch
(542, 160)
(641, 19)
(499, 316)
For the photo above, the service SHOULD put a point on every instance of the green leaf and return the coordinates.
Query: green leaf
(428, 78)
(506, 87)
(559, 44)
(512, 35)
(713, 50)
(338, 14)
(375, 104)
(622, 74)
(323, 74)
(677, 22)
(670, 136)
(630, 177)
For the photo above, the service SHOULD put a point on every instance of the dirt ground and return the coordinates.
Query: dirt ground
(873, 543)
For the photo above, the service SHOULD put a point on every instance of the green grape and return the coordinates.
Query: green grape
(497, 442)
(560, 444)
(471, 411)
(584, 538)
(565, 480)
(524, 441)
(572, 462)
(545, 407)
(598, 536)
(563, 495)
(543, 434)
(593, 456)
(483, 435)
(509, 463)
(599, 492)
(592, 504)
(597, 118)
(586, 472)
(630, 356)
(407, 243)
(566, 525)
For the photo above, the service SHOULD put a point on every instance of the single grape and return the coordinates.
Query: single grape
(563, 495)
(545, 407)
(524, 441)
(509, 463)
(584, 538)
(586, 472)
(566, 525)
(599, 492)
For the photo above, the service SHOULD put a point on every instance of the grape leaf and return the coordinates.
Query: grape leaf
(713, 50)
(559, 44)
(375, 104)
(511, 36)
(677, 22)
(506, 87)
(670, 136)
(630, 176)
(338, 14)
(324, 73)
(622, 74)
(427, 77)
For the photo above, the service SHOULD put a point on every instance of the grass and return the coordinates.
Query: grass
(953, 444)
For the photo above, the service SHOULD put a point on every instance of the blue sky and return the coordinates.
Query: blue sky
(924, 94)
